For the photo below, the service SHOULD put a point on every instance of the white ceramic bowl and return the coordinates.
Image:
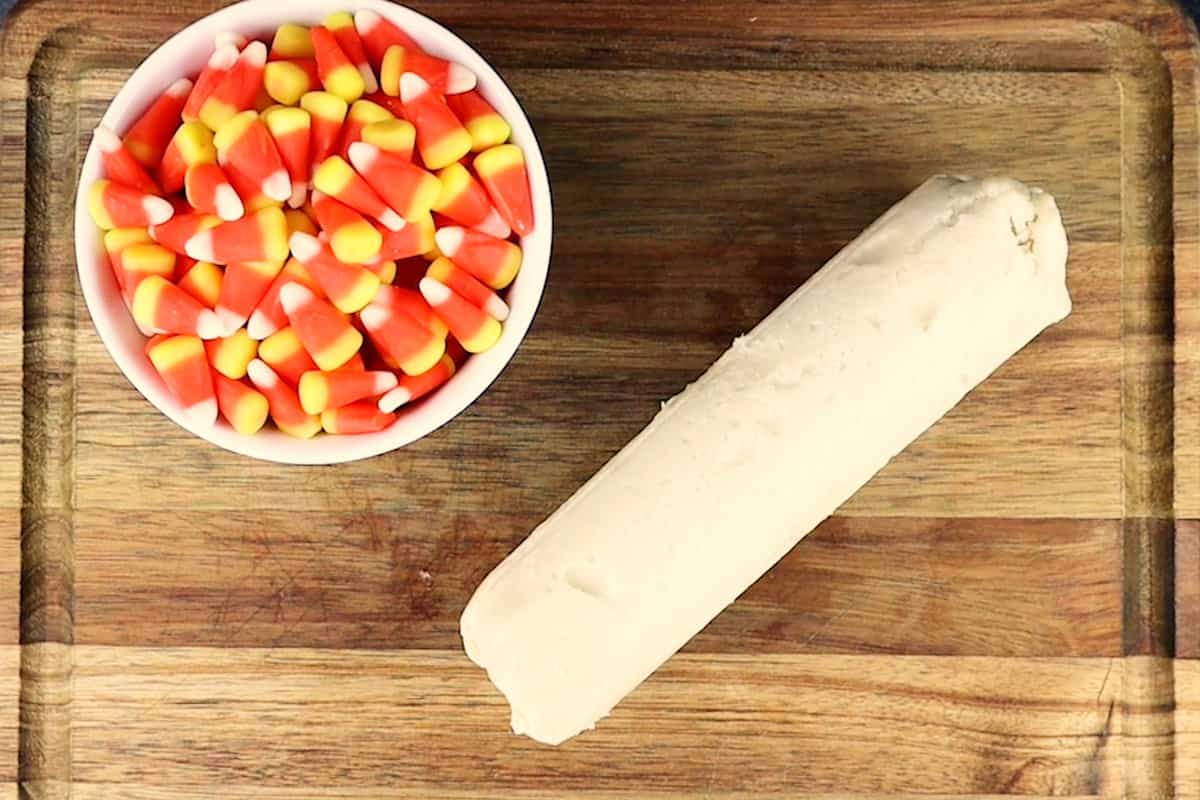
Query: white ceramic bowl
(184, 55)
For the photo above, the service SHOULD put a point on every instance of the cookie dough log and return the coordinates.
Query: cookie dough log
(789, 423)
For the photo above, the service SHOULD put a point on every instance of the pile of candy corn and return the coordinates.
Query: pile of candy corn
(404, 205)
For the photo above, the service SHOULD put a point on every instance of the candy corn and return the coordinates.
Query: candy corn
(203, 282)
(297, 220)
(351, 237)
(414, 387)
(268, 316)
(147, 139)
(356, 418)
(116, 242)
(284, 351)
(323, 390)
(502, 172)
(463, 200)
(380, 35)
(120, 165)
(443, 77)
(337, 179)
(487, 128)
(341, 25)
(362, 114)
(209, 192)
(396, 137)
(287, 81)
(328, 114)
(180, 361)
(237, 90)
(113, 205)
(412, 303)
(348, 286)
(441, 138)
(245, 146)
(465, 285)
(244, 286)
(473, 327)
(400, 340)
(140, 261)
(326, 332)
(292, 131)
(261, 236)
(291, 41)
(175, 233)
(414, 239)
(160, 306)
(491, 260)
(230, 356)
(244, 408)
(192, 144)
(283, 402)
(385, 271)
(409, 190)
(214, 72)
(338, 74)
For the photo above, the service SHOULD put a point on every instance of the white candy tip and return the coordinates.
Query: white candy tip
(260, 326)
(391, 220)
(278, 186)
(365, 21)
(255, 54)
(204, 412)
(459, 79)
(157, 209)
(412, 86)
(363, 155)
(224, 57)
(496, 308)
(200, 247)
(299, 194)
(293, 297)
(374, 317)
(394, 399)
(449, 240)
(180, 88)
(435, 292)
(385, 382)
(305, 247)
(209, 325)
(106, 140)
(370, 84)
(261, 375)
(495, 226)
(230, 321)
(229, 205)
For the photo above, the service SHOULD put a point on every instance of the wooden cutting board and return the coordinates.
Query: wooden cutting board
(996, 613)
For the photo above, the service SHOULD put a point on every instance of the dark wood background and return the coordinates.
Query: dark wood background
(996, 613)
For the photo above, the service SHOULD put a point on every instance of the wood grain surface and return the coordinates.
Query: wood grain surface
(997, 613)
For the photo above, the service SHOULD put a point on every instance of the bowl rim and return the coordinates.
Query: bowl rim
(113, 322)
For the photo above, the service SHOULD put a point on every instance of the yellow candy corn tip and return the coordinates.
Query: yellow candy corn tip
(233, 130)
(485, 339)
(449, 149)
(498, 159)
(215, 114)
(203, 282)
(423, 199)
(149, 257)
(195, 144)
(288, 120)
(366, 113)
(145, 300)
(338, 20)
(96, 207)
(176, 350)
(279, 346)
(356, 243)
(339, 351)
(333, 176)
(454, 180)
(314, 392)
(305, 430)
(391, 135)
(427, 359)
(118, 239)
(386, 272)
(360, 295)
(292, 41)
(488, 131)
(325, 105)
(440, 269)
(512, 265)
(274, 227)
(345, 82)
(251, 413)
(233, 355)
(285, 82)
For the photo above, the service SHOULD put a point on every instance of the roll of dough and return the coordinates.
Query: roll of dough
(789, 423)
